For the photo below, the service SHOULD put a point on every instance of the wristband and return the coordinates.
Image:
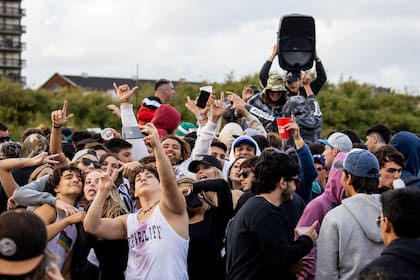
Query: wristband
(57, 126)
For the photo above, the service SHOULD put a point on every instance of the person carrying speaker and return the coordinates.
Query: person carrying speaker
(294, 78)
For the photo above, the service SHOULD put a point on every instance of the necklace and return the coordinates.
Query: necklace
(143, 212)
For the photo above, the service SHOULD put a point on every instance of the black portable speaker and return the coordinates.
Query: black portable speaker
(296, 38)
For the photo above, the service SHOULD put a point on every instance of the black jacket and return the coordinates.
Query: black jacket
(259, 245)
(400, 260)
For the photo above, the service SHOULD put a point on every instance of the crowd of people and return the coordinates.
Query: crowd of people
(224, 198)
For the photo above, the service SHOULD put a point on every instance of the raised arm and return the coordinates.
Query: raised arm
(58, 119)
(105, 228)
(8, 165)
(206, 135)
(267, 65)
(321, 76)
(130, 127)
(239, 105)
(172, 201)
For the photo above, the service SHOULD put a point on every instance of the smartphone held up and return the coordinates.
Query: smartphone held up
(204, 95)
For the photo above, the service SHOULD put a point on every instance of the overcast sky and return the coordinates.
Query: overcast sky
(376, 42)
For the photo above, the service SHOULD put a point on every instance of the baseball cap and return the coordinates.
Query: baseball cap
(23, 239)
(292, 76)
(360, 163)
(205, 159)
(274, 83)
(339, 141)
(83, 152)
(319, 159)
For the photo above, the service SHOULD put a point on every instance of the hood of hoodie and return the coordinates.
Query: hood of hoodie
(405, 249)
(408, 144)
(334, 190)
(365, 208)
(243, 138)
(166, 118)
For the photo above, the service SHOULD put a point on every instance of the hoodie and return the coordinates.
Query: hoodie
(240, 140)
(408, 144)
(321, 205)
(349, 238)
(400, 260)
(166, 119)
(308, 116)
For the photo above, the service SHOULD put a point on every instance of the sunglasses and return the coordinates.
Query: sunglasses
(4, 139)
(244, 173)
(393, 170)
(296, 180)
(87, 162)
(379, 220)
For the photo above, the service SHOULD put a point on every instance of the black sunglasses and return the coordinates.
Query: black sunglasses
(4, 139)
(87, 162)
(244, 173)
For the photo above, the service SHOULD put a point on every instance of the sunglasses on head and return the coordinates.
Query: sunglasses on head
(244, 174)
(4, 139)
(87, 162)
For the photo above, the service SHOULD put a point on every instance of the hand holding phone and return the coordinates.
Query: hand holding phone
(203, 97)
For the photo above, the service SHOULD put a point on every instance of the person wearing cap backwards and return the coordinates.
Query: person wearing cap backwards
(209, 216)
(295, 78)
(349, 238)
(23, 248)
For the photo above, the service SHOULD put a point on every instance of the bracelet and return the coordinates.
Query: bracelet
(125, 101)
(57, 126)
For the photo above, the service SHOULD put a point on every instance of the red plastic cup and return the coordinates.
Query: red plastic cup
(284, 133)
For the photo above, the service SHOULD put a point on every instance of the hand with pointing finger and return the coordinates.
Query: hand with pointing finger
(60, 117)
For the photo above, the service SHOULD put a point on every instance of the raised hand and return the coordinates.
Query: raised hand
(43, 158)
(152, 133)
(293, 127)
(105, 183)
(115, 109)
(124, 92)
(60, 117)
(218, 107)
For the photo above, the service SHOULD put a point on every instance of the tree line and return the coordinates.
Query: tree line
(346, 105)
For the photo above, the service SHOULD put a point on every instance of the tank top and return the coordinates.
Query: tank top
(155, 249)
(63, 242)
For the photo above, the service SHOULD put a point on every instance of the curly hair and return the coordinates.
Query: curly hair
(139, 169)
(55, 178)
(185, 147)
(270, 168)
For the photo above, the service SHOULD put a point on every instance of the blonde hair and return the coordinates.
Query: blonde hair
(113, 206)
